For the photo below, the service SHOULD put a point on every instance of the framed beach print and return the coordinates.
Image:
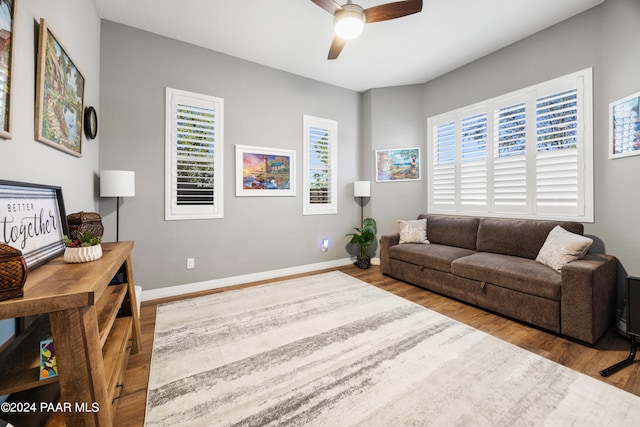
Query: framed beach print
(7, 31)
(264, 171)
(398, 164)
(33, 220)
(624, 127)
(59, 96)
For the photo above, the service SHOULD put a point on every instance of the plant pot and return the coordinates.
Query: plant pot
(83, 254)
(363, 263)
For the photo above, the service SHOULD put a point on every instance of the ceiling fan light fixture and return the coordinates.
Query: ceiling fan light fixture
(349, 22)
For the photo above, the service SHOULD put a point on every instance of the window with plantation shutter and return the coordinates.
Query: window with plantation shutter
(510, 157)
(194, 148)
(525, 154)
(443, 189)
(473, 160)
(320, 166)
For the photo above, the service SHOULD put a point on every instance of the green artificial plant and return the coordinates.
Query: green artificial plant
(365, 236)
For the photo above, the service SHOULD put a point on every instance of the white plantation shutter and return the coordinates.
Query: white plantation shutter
(510, 162)
(473, 160)
(443, 182)
(541, 154)
(320, 169)
(194, 144)
(557, 152)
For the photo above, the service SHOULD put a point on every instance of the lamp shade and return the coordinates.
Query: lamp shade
(362, 189)
(115, 183)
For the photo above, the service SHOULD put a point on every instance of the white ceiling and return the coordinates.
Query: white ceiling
(294, 35)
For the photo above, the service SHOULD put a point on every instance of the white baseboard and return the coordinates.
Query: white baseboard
(207, 285)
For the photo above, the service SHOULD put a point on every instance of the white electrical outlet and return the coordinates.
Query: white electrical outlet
(191, 263)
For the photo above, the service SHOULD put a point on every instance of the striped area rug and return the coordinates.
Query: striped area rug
(331, 350)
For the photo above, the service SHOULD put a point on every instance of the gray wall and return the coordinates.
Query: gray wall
(77, 26)
(263, 107)
(605, 38)
(393, 118)
(137, 65)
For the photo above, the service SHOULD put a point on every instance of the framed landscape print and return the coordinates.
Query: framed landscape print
(624, 127)
(33, 220)
(398, 164)
(59, 96)
(7, 31)
(265, 171)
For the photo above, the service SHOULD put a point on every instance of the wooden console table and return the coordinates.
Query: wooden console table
(94, 324)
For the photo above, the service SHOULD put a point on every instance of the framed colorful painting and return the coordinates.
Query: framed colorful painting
(7, 31)
(398, 164)
(265, 171)
(624, 127)
(59, 96)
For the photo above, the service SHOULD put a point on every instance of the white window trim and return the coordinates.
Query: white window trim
(582, 80)
(172, 210)
(330, 208)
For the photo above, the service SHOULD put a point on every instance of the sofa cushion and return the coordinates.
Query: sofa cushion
(519, 274)
(562, 247)
(414, 231)
(456, 231)
(434, 256)
(521, 238)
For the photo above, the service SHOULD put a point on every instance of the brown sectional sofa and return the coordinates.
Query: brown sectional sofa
(490, 263)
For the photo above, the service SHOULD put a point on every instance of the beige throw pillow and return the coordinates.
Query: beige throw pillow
(414, 231)
(562, 247)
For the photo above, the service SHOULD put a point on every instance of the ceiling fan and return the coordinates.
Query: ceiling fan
(349, 19)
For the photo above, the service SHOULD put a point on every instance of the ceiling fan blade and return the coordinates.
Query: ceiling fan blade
(329, 5)
(394, 10)
(336, 47)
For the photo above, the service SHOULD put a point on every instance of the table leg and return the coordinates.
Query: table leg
(76, 341)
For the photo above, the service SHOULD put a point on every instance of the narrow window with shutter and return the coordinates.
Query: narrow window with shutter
(443, 182)
(510, 163)
(194, 145)
(557, 152)
(320, 166)
(473, 161)
(541, 163)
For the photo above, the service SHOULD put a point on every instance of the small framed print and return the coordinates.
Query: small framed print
(264, 171)
(398, 164)
(624, 127)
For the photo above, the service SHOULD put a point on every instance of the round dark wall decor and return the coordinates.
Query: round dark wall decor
(90, 122)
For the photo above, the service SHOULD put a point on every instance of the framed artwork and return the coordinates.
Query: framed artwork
(7, 31)
(398, 164)
(59, 96)
(265, 171)
(624, 127)
(33, 220)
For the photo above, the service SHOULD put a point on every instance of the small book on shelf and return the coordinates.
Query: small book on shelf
(48, 366)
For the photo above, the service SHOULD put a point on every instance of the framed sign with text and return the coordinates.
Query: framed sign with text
(33, 220)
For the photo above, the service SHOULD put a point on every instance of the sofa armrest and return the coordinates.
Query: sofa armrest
(386, 242)
(588, 302)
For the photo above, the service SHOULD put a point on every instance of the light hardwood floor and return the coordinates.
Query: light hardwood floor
(610, 349)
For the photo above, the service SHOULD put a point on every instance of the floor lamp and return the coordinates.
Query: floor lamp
(116, 183)
(362, 189)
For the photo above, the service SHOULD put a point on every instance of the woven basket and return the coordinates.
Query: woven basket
(82, 222)
(13, 272)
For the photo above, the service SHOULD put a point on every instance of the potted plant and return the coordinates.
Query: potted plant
(364, 237)
(84, 247)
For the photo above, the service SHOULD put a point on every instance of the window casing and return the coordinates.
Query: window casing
(525, 154)
(320, 169)
(194, 156)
